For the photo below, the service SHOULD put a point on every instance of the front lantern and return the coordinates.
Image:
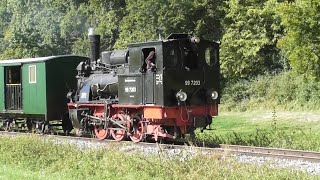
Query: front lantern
(181, 96)
(214, 95)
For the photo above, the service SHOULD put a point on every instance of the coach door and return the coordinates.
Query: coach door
(149, 76)
(13, 92)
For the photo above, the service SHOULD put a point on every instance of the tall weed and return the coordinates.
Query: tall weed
(47, 160)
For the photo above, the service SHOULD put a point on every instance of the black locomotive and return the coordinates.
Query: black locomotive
(160, 89)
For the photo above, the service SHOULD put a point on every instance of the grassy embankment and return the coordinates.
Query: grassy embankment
(291, 130)
(31, 158)
(274, 111)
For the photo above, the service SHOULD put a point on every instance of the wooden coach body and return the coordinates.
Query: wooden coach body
(36, 87)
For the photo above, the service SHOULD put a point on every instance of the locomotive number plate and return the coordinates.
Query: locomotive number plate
(130, 89)
(192, 82)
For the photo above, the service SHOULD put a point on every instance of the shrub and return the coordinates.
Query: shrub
(285, 91)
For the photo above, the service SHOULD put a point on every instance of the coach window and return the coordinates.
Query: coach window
(32, 74)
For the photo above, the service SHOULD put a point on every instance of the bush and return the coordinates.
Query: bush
(285, 91)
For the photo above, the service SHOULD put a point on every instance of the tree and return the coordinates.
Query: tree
(145, 20)
(252, 30)
(102, 15)
(301, 42)
(34, 28)
(106, 16)
(5, 18)
(201, 17)
(140, 22)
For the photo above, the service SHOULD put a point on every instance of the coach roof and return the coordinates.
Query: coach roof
(34, 60)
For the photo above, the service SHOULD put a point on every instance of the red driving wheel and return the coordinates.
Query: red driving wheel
(118, 134)
(99, 130)
(137, 133)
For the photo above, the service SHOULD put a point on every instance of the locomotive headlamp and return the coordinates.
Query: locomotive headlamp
(181, 96)
(195, 40)
(214, 95)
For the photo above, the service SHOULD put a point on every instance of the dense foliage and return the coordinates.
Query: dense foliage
(257, 37)
(284, 91)
(53, 27)
(301, 42)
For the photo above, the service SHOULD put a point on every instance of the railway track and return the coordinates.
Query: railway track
(289, 154)
(273, 152)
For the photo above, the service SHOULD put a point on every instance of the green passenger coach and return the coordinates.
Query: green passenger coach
(34, 89)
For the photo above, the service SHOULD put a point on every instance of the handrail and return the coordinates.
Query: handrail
(13, 84)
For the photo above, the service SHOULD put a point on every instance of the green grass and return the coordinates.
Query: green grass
(32, 158)
(292, 130)
(15, 172)
(279, 110)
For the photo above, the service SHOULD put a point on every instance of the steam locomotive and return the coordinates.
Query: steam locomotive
(160, 90)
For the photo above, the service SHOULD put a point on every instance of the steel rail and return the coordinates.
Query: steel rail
(290, 154)
(273, 152)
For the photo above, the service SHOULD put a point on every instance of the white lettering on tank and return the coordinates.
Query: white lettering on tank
(130, 89)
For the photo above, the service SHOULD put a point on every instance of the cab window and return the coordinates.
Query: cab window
(172, 59)
(148, 60)
(211, 56)
(190, 59)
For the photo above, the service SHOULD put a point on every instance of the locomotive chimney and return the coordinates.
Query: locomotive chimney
(94, 45)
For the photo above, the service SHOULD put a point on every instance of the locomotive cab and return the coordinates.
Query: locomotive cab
(182, 87)
(179, 65)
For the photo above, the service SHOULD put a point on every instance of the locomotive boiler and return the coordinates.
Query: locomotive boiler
(161, 90)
